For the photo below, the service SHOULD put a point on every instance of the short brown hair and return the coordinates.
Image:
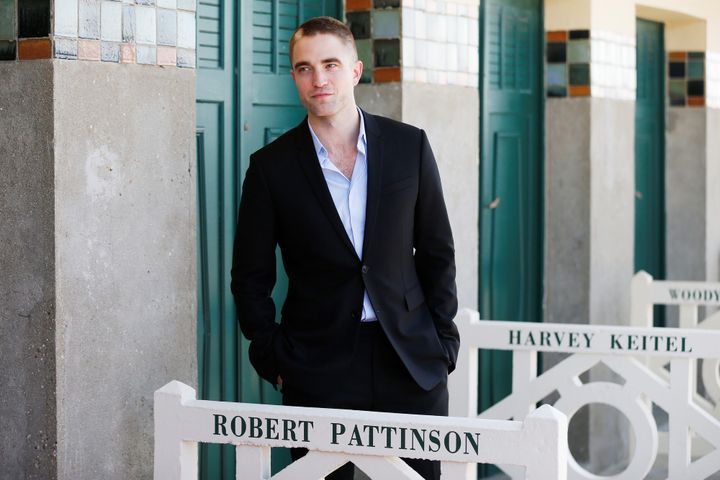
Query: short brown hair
(322, 25)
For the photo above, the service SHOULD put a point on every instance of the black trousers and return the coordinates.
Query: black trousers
(376, 380)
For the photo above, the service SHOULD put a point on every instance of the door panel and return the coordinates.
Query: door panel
(650, 154)
(216, 200)
(510, 178)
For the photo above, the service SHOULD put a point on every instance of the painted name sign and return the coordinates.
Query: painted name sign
(700, 294)
(348, 434)
(584, 340)
(594, 339)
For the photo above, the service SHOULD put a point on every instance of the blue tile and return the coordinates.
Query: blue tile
(696, 69)
(66, 48)
(110, 52)
(580, 74)
(7, 19)
(578, 51)
(386, 24)
(556, 75)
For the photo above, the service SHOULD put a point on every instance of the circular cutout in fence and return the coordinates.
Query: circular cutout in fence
(605, 422)
(638, 415)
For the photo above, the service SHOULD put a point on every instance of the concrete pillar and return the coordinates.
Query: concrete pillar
(97, 242)
(589, 190)
(685, 165)
(437, 90)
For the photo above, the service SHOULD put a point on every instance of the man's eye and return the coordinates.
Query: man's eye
(303, 69)
(332, 65)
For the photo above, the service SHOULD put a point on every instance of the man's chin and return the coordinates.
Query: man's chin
(322, 111)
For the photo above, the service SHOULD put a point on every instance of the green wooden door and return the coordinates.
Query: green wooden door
(218, 342)
(245, 99)
(650, 153)
(510, 177)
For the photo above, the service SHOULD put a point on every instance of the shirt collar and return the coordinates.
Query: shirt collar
(322, 152)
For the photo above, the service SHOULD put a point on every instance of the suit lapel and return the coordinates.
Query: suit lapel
(310, 165)
(374, 163)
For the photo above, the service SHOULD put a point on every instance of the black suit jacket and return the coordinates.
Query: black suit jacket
(407, 266)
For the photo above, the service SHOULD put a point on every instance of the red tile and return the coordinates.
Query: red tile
(579, 90)
(557, 36)
(354, 5)
(384, 75)
(34, 49)
(681, 56)
(696, 101)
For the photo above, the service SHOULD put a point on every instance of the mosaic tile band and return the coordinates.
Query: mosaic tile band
(686, 79)
(425, 41)
(152, 32)
(581, 63)
(603, 65)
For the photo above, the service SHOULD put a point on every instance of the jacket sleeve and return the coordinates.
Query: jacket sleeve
(435, 253)
(253, 272)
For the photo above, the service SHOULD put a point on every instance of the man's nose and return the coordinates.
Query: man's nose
(319, 78)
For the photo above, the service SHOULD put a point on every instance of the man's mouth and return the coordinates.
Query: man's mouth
(321, 95)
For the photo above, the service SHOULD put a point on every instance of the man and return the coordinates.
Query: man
(354, 201)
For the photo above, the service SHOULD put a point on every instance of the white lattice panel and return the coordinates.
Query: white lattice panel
(617, 348)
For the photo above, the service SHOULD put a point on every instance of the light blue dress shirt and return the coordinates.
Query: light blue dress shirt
(350, 197)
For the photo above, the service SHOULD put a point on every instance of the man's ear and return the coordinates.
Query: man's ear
(357, 72)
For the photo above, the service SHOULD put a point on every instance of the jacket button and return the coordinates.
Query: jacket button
(353, 315)
(365, 269)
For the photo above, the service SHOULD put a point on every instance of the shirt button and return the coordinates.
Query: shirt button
(365, 269)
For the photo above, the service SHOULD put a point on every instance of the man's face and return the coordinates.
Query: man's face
(325, 71)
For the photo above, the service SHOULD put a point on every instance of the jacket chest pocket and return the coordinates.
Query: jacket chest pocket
(398, 185)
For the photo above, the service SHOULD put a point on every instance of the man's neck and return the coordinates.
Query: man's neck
(342, 128)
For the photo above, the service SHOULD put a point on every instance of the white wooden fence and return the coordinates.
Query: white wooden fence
(373, 441)
(618, 349)
(688, 296)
